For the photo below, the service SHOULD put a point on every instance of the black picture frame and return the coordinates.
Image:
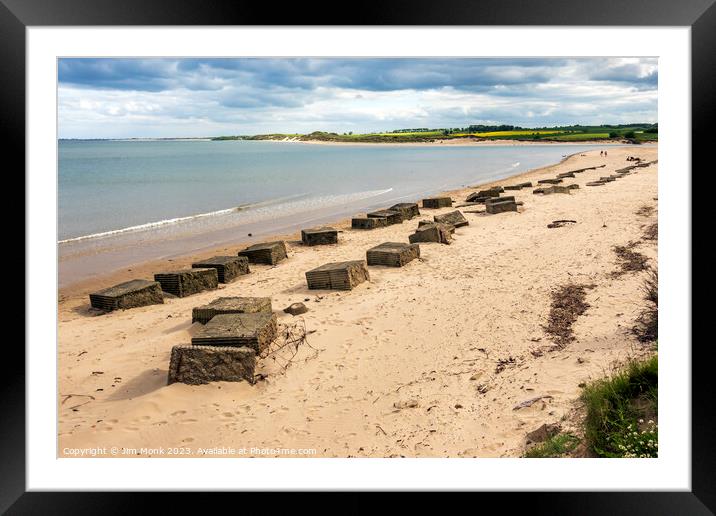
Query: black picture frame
(699, 15)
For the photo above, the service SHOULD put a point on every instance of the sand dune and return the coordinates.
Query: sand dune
(404, 365)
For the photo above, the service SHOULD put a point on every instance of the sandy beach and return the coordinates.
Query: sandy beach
(428, 360)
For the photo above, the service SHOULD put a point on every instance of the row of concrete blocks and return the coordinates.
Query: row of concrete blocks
(204, 275)
(560, 178)
(619, 173)
(141, 292)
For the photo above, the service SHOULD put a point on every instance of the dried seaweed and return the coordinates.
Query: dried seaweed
(629, 260)
(568, 303)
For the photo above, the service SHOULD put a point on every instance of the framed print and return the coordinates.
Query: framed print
(422, 250)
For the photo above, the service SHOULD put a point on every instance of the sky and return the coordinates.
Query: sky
(190, 97)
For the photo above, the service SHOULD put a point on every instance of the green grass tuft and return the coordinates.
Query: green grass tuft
(622, 412)
(556, 446)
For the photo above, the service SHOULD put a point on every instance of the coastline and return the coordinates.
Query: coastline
(146, 268)
(430, 360)
(459, 142)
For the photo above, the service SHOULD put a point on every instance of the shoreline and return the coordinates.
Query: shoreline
(146, 268)
(434, 359)
(458, 142)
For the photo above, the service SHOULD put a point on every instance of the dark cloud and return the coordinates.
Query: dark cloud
(472, 74)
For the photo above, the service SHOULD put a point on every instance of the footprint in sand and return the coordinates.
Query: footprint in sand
(178, 413)
(190, 420)
(228, 414)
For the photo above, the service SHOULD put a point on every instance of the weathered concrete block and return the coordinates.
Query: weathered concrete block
(549, 181)
(437, 202)
(368, 222)
(338, 275)
(572, 186)
(255, 330)
(454, 218)
(484, 194)
(423, 223)
(392, 254)
(130, 294)
(500, 207)
(552, 189)
(408, 209)
(230, 305)
(519, 186)
(596, 183)
(391, 216)
(492, 200)
(566, 174)
(187, 282)
(319, 236)
(228, 268)
(434, 232)
(269, 253)
(197, 365)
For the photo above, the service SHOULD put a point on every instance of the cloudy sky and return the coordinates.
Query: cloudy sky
(117, 98)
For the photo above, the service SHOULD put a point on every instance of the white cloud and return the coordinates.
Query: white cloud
(128, 99)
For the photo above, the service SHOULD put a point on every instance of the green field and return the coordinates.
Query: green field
(635, 133)
(580, 136)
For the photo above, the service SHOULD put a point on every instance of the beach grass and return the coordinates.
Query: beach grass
(622, 412)
(556, 446)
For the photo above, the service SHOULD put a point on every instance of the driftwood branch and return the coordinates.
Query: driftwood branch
(291, 338)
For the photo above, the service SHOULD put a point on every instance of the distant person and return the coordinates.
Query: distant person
(601, 153)
(605, 154)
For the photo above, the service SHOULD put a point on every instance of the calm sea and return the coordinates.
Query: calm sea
(120, 194)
